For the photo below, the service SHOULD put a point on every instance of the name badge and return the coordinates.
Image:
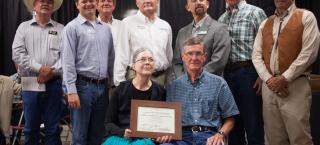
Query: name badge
(53, 32)
(202, 32)
(141, 27)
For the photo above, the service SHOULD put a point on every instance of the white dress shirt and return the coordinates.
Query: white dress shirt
(308, 54)
(140, 32)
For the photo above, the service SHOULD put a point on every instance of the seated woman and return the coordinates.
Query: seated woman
(141, 87)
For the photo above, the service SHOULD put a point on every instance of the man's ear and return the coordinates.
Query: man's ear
(208, 4)
(182, 56)
(205, 56)
(187, 7)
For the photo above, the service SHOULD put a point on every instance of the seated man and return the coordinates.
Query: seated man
(208, 106)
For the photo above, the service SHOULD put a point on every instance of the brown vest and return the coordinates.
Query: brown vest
(289, 41)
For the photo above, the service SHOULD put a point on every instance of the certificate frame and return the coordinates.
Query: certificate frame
(135, 104)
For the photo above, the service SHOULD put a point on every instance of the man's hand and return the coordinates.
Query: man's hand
(283, 92)
(163, 139)
(74, 101)
(258, 85)
(216, 139)
(278, 85)
(45, 74)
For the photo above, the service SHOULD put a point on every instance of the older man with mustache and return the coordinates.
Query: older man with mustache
(285, 47)
(144, 30)
(214, 34)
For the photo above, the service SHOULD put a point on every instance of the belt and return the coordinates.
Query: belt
(55, 78)
(199, 128)
(92, 80)
(239, 64)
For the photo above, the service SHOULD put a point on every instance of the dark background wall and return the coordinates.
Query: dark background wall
(13, 12)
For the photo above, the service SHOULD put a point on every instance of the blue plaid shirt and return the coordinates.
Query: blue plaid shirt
(205, 101)
(243, 23)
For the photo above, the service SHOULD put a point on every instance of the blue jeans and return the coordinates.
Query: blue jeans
(88, 121)
(250, 120)
(192, 138)
(43, 107)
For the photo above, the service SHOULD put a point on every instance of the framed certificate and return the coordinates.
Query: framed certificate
(153, 119)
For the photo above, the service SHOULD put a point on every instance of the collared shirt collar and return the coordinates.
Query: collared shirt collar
(82, 19)
(287, 12)
(110, 22)
(146, 19)
(200, 77)
(200, 22)
(240, 5)
(34, 21)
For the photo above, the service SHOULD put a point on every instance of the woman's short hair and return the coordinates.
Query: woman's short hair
(138, 51)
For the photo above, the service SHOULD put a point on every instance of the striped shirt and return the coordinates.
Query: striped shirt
(34, 46)
(87, 50)
(243, 22)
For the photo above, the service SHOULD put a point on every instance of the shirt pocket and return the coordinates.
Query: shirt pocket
(209, 109)
(242, 29)
(54, 46)
(161, 37)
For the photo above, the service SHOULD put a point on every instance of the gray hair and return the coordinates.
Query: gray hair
(193, 41)
(138, 51)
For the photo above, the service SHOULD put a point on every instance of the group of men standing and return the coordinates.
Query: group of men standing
(93, 53)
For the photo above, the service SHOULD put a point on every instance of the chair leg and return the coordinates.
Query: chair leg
(17, 130)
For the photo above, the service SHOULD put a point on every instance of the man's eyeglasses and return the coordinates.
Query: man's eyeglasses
(144, 59)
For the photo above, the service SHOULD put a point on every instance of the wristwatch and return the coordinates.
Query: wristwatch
(222, 133)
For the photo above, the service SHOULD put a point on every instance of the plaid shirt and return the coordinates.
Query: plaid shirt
(243, 25)
(205, 102)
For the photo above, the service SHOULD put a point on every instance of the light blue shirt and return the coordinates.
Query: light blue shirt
(87, 49)
(206, 101)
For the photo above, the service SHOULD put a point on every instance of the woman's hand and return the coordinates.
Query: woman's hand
(127, 133)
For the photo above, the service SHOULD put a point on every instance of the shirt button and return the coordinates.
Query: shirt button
(196, 121)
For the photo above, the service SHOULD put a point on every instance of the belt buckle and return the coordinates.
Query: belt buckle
(98, 81)
(196, 128)
(90, 80)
